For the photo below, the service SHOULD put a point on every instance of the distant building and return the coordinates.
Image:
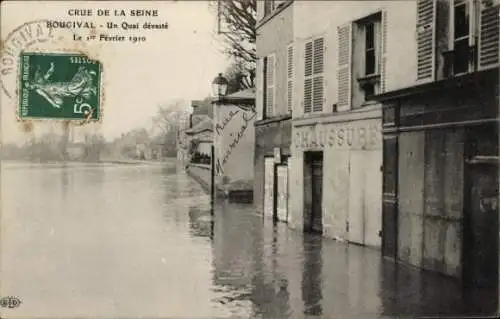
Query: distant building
(197, 140)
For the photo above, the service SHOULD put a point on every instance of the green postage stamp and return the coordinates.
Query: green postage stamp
(59, 86)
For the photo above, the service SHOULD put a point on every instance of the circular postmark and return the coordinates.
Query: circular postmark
(18, 40)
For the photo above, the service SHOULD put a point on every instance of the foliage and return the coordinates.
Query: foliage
(94, 145)
(167, 122)
(238, 79)
(238, 29)
(54, 147)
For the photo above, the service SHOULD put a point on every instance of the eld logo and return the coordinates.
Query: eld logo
(10, 302)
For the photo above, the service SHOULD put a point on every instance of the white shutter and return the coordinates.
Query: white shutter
(344, 67)
(308, 71)
(259, 82)
(426, 40)
(318, 69)
(289, 87)
(489, 29)
(383, 51)
(270, 78)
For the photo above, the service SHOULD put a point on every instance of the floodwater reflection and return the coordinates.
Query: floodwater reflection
(312, 292)
(139, 241)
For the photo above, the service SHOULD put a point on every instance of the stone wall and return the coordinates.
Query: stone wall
(201, 173)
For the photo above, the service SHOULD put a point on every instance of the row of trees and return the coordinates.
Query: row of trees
(55, 147)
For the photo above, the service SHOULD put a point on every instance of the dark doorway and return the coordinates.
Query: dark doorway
(313, 192)
(481, 254)
(481, 222)
(389, 198)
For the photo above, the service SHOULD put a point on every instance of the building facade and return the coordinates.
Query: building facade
(440, 143)
(234, 140)
(198, 141)
(274, 82)
(345, 53)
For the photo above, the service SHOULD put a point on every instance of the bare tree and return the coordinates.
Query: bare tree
(237, 23)
(169, 116)
(167, 121)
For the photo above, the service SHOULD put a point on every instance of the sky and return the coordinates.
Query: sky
(177, 63)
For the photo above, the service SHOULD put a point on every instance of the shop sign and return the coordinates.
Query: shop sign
(360, 135)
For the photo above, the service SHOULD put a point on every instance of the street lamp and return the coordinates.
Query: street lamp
(219, 87)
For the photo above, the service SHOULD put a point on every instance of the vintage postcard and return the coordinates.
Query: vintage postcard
(249, 159)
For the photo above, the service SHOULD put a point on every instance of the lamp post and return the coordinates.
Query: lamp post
(219, 87)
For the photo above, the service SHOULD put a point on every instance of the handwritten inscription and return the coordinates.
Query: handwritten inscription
(237, 136)
(219, 128)
(339, 136)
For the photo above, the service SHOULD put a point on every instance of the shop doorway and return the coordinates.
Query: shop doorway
(481, 220)
(313, 192)
(481, 224)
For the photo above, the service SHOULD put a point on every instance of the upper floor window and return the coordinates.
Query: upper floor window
(370, 54)
(271, 5)
(361, 60)
(462, 42)
(367, 55)
(268, 6)
(456, 37)
(314, 62)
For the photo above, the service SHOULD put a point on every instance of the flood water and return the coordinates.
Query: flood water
(129, 241)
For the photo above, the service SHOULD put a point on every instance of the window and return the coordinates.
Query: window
(313, 75)
(367, 57)
(289, 87)
(269, 79)
(456, 37)
(272, 5)
(461, 40)
(268, 7)
(370, 53)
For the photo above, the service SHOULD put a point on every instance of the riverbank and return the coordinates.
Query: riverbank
(103, 161)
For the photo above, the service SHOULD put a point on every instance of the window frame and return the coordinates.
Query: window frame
(269, 7)
(471, 36)
(372, 81)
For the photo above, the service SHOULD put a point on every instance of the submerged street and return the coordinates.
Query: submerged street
(135, 240)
